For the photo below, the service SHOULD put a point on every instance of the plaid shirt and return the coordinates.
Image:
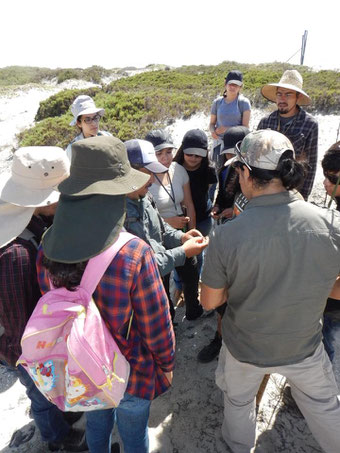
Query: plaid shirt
(19, 290)
(132, 282)
(303, 133)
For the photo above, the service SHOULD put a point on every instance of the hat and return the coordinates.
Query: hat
(83, 227)
(100, 165)
(33, 176)
(160, 139)
(235, 77)
(13, 220)
(231, 137)
(142, 153)
(292, 80)
(84, 105)
(195, 142)
(263, 149)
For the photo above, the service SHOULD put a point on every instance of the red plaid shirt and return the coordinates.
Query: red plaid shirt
(132, 283)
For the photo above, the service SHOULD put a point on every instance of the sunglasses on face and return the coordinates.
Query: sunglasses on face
(241, 159)
(332, 178)
(93, 119)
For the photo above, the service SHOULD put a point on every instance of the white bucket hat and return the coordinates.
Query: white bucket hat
(292, 80)
(84, 105)
(13, 220)
(32, 179)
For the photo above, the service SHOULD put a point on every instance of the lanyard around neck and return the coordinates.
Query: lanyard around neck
(171, 193)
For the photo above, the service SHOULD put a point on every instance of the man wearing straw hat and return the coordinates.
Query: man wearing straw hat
(27, 198)
(89, 218)
(292, 121)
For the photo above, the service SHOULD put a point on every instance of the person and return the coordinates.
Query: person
(171, 246)
(231, 109)
(86, 117)
(90, 215)
(227, 184)
(171, 192)
(193, 156)
(276, 274)
(28, 202)
(292, 121)
(331, 319)
(223, 211)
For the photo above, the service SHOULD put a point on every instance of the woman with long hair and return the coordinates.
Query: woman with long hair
(230, 109)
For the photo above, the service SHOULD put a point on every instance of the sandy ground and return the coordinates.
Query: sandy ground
(187, 419)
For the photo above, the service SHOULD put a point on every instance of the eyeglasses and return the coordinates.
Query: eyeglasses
(332, 178)
(240, 157)
(91, 119)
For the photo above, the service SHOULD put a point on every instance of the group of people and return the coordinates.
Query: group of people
(236, 218)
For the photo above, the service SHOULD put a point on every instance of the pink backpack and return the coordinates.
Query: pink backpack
(67, 349)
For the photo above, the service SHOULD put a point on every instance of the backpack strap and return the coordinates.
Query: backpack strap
(97, 265)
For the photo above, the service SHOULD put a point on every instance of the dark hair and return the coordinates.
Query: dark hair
(179, 158)
(64, 275)
(291, 173)
(331, 160)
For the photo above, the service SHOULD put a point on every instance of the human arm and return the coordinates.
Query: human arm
(187, 201)
(246, 118)
(212, 126)
(212, 297)
(310, 154)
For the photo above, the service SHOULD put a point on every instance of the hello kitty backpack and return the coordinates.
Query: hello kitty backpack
(67, 349)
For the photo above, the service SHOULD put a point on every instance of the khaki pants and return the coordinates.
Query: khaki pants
(313, 387)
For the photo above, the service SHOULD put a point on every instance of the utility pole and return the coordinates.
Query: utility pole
(303, 46)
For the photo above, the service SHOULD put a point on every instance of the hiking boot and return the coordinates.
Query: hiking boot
(194, 314)
(74, 441)
(211, 351)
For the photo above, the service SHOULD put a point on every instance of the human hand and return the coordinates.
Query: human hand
(214, 135)
(178, 222)
(190, 234)
(215, 212)
(169, 375)
(227, 213)
(195, 246)
(221, 130)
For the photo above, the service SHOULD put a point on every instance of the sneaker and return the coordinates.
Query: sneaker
(74, 441)
(211, 351)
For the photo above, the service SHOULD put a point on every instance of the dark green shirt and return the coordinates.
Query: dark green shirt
(279, 260)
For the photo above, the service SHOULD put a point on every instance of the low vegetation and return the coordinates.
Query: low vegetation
(134, 105)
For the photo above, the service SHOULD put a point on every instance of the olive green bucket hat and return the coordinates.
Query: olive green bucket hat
(91, 209)
(83, 227)
(100, 165)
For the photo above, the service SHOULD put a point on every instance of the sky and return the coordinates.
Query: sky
(120, 33)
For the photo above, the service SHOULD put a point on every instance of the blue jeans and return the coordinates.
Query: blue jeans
(132, 417)
(48, 418)
(330, 331)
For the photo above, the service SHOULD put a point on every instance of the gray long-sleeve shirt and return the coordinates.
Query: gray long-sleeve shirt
(144, 221)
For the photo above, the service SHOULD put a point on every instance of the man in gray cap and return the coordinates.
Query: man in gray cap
(292, 121)
(276, 275)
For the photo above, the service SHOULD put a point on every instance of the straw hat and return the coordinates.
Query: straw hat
(292, 80)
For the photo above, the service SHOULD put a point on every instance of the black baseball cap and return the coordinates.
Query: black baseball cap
(235, 77)
(160, 139)
(195, 141)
